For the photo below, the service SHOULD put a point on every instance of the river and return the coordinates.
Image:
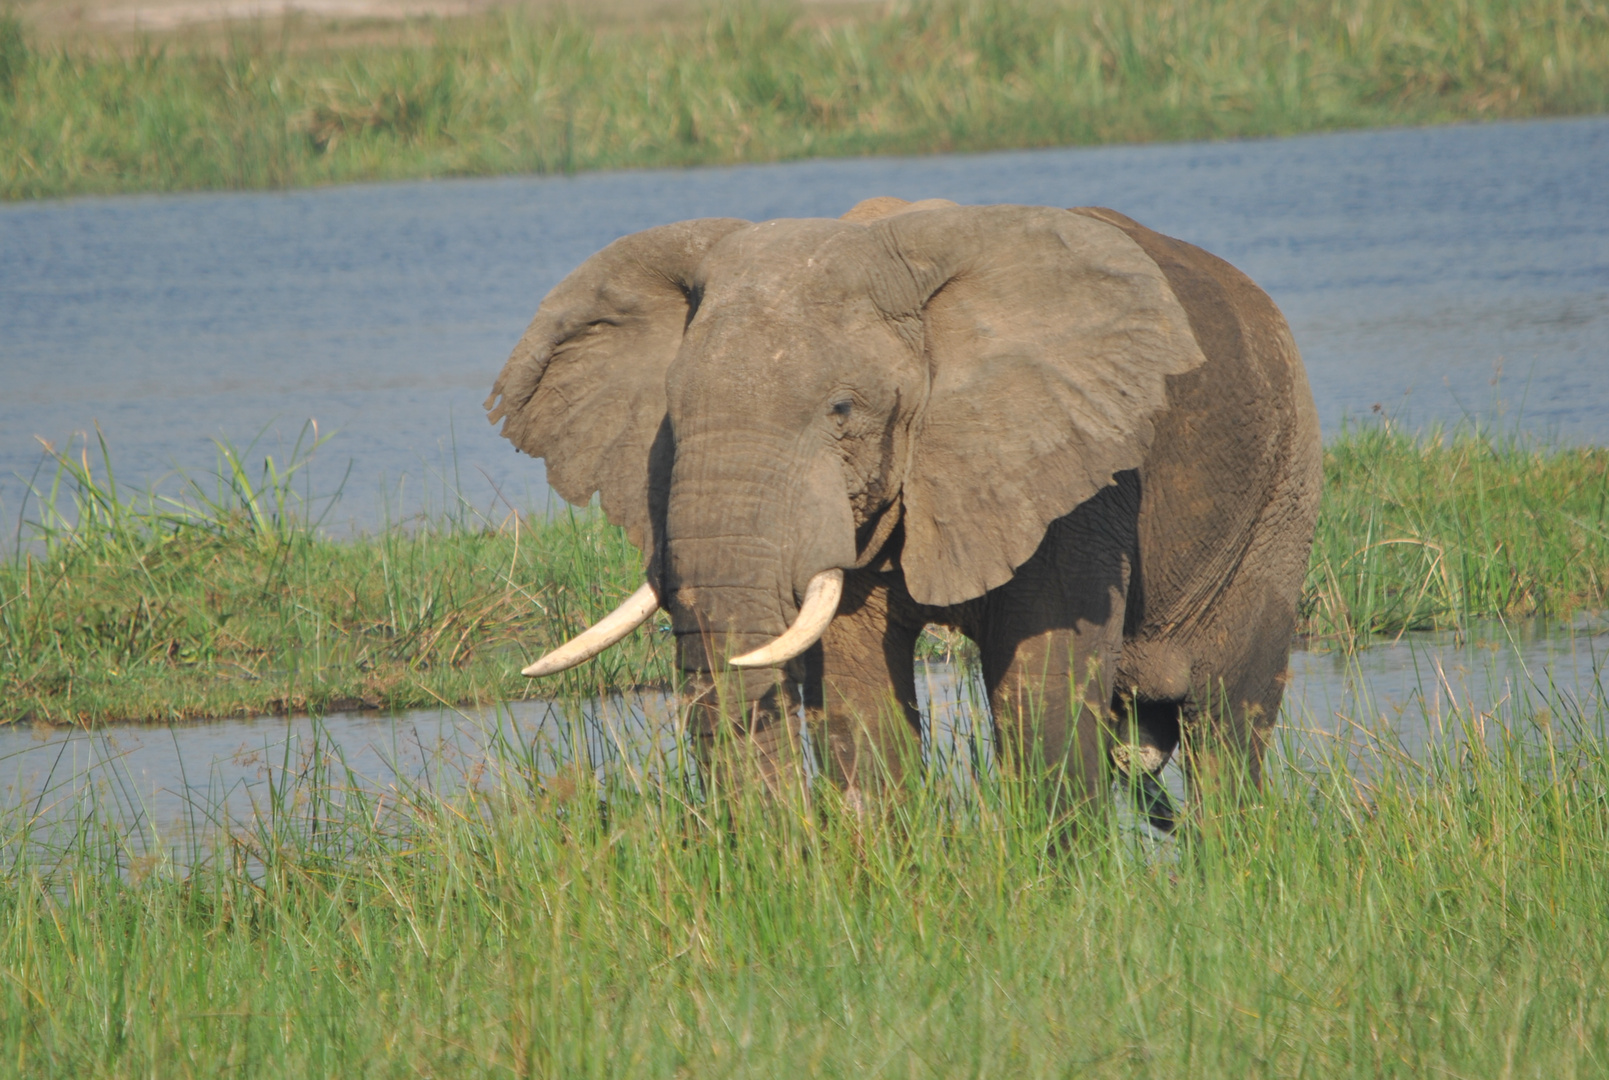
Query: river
(1392, 704)
(1438, 273)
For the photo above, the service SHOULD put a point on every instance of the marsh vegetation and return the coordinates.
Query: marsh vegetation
(1376, 912)
(540, 91)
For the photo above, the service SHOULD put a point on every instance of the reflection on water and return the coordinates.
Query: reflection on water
(170, 785)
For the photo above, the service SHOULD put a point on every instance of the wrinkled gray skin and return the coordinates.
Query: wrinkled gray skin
(1090, 448)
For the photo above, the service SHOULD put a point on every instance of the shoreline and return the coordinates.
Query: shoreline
(541, 91)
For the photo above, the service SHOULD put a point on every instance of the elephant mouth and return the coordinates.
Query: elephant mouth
(821, 598)
(820, 605)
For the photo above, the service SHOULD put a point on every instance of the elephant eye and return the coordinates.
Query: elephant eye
(841, 409)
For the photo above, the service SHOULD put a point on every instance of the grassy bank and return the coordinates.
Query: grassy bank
(233, 603)
(523, 93)
(1445, 920)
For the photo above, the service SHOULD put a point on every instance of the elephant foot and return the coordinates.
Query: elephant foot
(1154, 801)
(1140, 765)
(1143, 756)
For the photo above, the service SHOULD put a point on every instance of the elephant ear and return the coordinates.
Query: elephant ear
(585, 387)
(1049, 338)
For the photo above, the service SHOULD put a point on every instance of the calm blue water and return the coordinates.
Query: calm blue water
(1414, 265)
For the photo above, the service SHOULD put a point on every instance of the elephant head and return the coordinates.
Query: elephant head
(763, 406)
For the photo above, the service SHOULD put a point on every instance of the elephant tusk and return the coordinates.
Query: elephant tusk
(820, 605)
(600, 635)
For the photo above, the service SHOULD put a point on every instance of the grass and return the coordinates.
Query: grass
(1443, 919)
(231, 600)
(1435, 530)
(525, 93)
(227, 602)
(574, 911)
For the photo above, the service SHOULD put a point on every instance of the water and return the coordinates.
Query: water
(1414, 265)
(169, 786)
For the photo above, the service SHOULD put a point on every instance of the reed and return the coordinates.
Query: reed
(1439, 916)
(525, 93)
(227, 598)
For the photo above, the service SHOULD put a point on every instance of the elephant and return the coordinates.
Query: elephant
(1088, 447)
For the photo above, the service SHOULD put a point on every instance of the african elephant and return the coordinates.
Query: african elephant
(1090, 448)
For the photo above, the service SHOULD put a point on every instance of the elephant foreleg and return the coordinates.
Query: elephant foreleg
(860, 687)
(741, 736)
(1052, 638)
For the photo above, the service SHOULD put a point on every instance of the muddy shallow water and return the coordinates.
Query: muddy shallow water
(165, 785)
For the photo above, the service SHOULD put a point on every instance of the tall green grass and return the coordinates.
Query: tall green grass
(516, 93)
(1439, 918)
(1436, 913)
(232, 600)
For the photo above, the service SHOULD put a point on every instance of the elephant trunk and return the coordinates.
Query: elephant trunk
(751, 532)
